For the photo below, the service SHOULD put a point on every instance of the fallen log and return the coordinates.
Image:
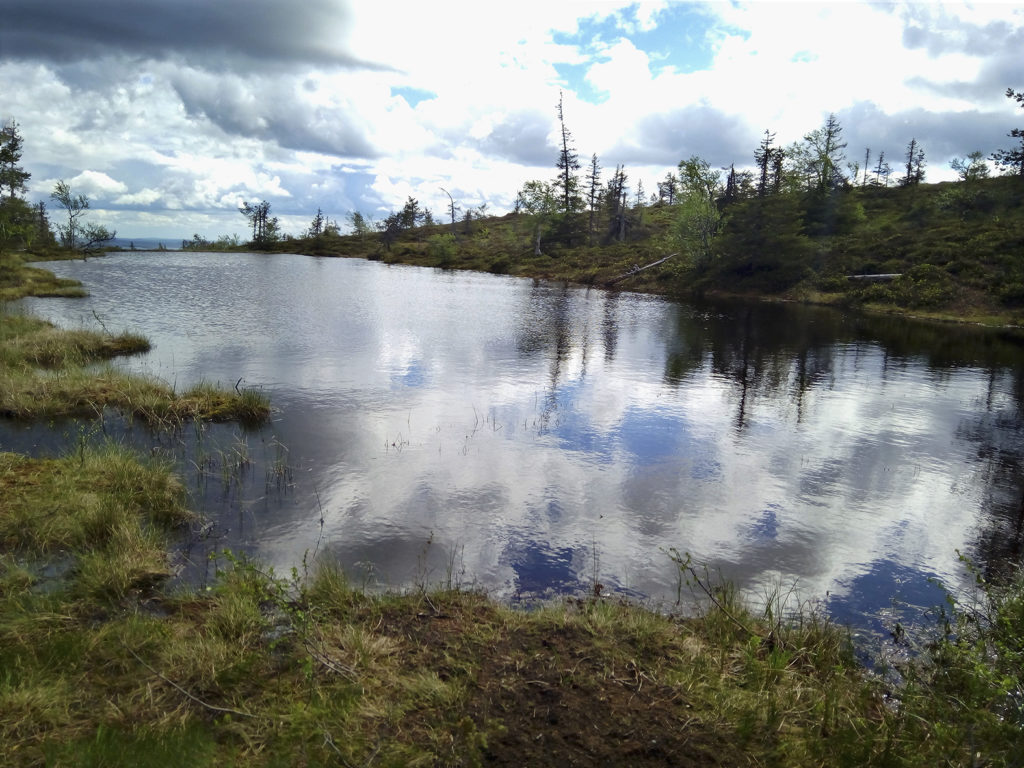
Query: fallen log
(635, 270)
(875, 278)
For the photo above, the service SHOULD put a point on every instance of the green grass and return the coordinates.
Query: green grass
(956, 245)
(504, 245)
(49, 373)
(17, 280)
(101, 662)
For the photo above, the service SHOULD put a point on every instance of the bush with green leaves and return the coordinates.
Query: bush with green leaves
(442, 248)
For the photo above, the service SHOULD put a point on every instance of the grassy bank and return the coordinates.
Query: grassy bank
(504, 245)
(18, 280)
(46, 373)
(104, 666)
(952, 249)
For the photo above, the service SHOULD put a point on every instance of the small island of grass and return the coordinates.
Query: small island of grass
(18, 280)
(47, 372)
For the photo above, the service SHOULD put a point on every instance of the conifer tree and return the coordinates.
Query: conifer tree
(16, 216)
(778, 172)
(43, 231)
(731, 186)
(567, 183)
(411, 215)
(593, 193)
(882, 171)
(12, 175)
(316, 227)
(668, 188)
(764, 157)
(265, 230)
(616, 196)
(914, 166)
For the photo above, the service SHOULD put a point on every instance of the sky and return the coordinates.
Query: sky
(167, 114)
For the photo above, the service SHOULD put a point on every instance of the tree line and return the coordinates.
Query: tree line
(574, 208)
(578, 207)
(813, 169)
(28, 226)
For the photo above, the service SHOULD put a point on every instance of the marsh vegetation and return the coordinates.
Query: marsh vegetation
(51, 373)
(103, 665)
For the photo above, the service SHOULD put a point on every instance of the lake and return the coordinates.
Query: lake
(532, 438)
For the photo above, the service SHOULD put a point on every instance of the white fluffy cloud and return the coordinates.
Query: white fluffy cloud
(97, 184)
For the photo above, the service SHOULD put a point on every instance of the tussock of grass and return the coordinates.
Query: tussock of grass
(17, 280)
(49, 373)
(53, 348)
(210, 402)
(84, 501)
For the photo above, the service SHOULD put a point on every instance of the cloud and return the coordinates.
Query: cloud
(941, 135)
(140, 199)
(986, 57)
(941, 30)
(96, 184)
(191, 104)
(522, 137)
(275, 109)
(263, 33)
(668, 137)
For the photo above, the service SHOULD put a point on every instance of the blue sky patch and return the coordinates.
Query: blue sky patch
(574, 77)
(412, 96)
(412, 376)
(682, 40)
(766, 525)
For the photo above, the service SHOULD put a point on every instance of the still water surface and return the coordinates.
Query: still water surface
(530, 437)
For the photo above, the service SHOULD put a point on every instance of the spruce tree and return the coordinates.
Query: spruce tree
(593, 193)
(568, 163)
(764, 156)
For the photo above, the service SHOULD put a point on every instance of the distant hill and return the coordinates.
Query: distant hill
(146, 243)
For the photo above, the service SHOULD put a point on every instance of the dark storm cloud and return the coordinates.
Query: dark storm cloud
(940, 135)
(1003, 71)
(271, 109)
(669, 137)
(944, 36)
(998, 43)
(521, 138)
(212, 32)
